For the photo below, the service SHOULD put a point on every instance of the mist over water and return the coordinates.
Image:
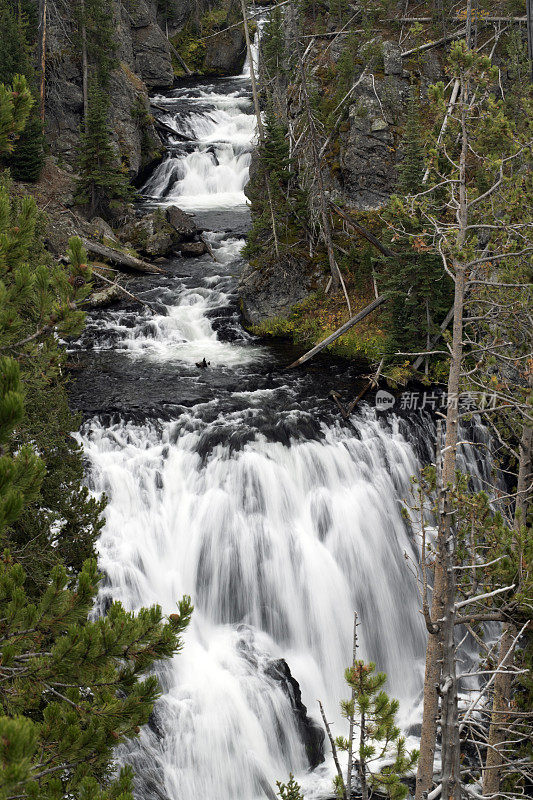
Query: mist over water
(233, 485)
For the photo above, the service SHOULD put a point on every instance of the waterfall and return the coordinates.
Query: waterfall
(234, 486)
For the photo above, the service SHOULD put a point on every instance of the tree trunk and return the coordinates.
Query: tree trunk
(443, 583)
(43, 13)
(346, 327)
(529, 5)
(351, 721)
(451, 778)
(503, 680)
(119, 258)
(84, 66)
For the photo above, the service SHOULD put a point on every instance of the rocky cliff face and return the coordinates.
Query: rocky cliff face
(359, 167)
(145, 64)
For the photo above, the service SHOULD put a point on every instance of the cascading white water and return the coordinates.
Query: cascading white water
(277, 539)
(277, 545)
(214, 173)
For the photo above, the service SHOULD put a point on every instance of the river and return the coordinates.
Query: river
(239, 485)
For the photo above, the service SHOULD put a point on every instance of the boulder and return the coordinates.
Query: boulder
(311, 733)
(266, 292)
(193, 248)
(392, 58)
(225, 53)
(102, 230)
(180, 221)
(151, 235)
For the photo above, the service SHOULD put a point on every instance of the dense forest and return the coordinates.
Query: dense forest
(390, 230)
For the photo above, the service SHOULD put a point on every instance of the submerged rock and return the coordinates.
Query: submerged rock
(311, 733)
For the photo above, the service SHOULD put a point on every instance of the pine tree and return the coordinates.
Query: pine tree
(373, 735)
(73, 689)
(290, 790)
(14, 51)
(27, 159)
(374, 715)
(21, 474)
(15, 104)
(273, 44)
(411, 170)
(102, 183)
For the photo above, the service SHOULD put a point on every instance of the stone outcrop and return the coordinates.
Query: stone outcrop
(226, 53)
(163, 233)
(143, 57)
(266, 293)
(311, 734)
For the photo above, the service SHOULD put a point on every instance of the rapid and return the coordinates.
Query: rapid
(240, 486)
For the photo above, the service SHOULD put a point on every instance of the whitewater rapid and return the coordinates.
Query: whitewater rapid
(239, 486)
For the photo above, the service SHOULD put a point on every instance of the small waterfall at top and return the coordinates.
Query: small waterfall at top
(234, 485)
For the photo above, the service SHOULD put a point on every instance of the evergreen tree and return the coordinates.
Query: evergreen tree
(27, 158)
(15, 105)
(102, 183)
(290, 790)
(73, 689)
(373, 714)
(14, 51)
(411, 170)
(273, 44)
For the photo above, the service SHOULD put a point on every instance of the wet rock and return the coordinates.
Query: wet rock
(151, 235)
(180, 221)
(225, 53)
(311, 733)
(193, 248)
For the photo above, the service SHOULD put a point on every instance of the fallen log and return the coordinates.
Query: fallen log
(125, 260)
(208, 247)
(346, 327)
(179, 58)
(121, 290)
(363, 232)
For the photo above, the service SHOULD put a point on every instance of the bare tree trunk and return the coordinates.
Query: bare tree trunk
(84, 66)
(43, 14)
(503, 680)
(441, 663)
(529, 8)
(362, 760)
(351, 720)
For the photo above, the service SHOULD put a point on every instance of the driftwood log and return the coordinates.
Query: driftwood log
(121, 259)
